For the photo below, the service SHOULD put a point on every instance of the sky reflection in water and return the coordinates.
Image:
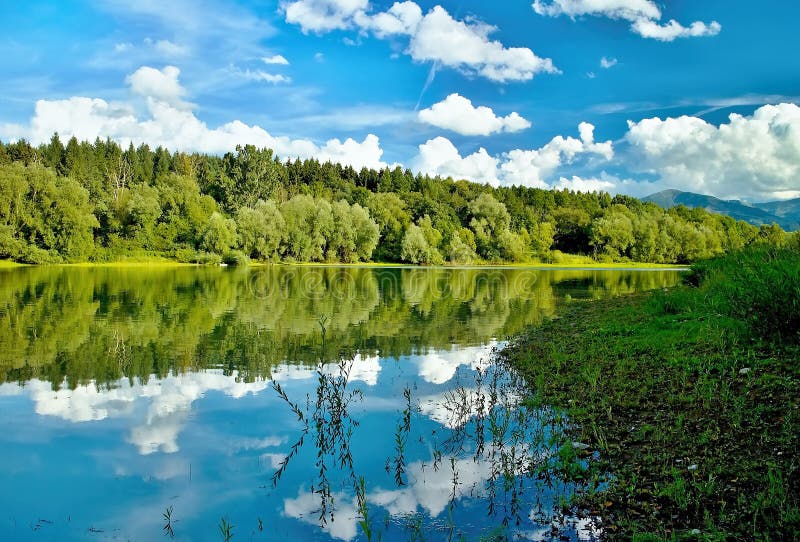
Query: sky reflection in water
(125, 392)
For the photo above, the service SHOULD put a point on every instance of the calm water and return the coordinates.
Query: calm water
(290, 401)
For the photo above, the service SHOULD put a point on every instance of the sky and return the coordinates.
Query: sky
(626, 96)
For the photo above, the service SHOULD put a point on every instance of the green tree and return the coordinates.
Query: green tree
(143, 209)
(261, 230)
(219, 235)
(461, 249)
(389, 211)
(415, 248)
(612, 233)
(541, 237)
(489, 219)
(366, 232)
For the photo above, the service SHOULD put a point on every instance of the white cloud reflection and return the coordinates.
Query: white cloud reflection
(168, 403)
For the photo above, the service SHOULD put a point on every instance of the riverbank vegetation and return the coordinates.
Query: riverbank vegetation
(99, 202)
(686, 401)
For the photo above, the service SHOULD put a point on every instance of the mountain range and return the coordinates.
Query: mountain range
(784, 213)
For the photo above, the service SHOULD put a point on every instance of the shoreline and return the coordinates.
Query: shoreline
(623, 266)
(680, 432)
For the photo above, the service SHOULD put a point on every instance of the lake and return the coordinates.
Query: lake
(280, 403)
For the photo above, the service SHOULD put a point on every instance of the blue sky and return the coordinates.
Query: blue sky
(501, 92)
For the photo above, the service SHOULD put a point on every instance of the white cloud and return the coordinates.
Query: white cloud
(644, 16)
(439, 156)
(630, 10)
(402, 18)
(673, 29)
(262, 76)
(756, 157)
(364, 153)
(169, 121)
(532, 167)
(466, 46)
(517, 167)
(322, 15)
(275, 59)
(579, 184)
(607, 63)
(606, 182)
(160, 85)
(437, 37)
(457, 113)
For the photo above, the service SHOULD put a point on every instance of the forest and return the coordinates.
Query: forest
(100, 202)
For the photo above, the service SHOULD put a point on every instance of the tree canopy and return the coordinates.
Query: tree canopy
(99, 201)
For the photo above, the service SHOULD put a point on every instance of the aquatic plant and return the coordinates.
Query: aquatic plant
(168, 530)
(225, 529)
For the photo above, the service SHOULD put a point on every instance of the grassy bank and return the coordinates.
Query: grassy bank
(688, 400)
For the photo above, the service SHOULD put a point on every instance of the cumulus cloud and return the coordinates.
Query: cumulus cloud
(169, 121)
(275, 59)
(466, 46)
(436, 37)
(402, 18)
(755, 157)
(606, 182)
(673, 29)
(580, 184)
(644, 16)
(457, 113)
(532, 167)
(161, 85)
(439, 156)
(517, 167)
(323, 15)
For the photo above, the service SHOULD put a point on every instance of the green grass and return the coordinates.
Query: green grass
(692, 404)
(9, 264)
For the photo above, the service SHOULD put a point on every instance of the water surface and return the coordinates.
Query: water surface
(293, 402)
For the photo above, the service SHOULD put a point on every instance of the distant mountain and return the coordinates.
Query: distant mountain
(789, 209)
(785, 213)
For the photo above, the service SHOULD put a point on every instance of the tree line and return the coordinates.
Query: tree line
(99, 201)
